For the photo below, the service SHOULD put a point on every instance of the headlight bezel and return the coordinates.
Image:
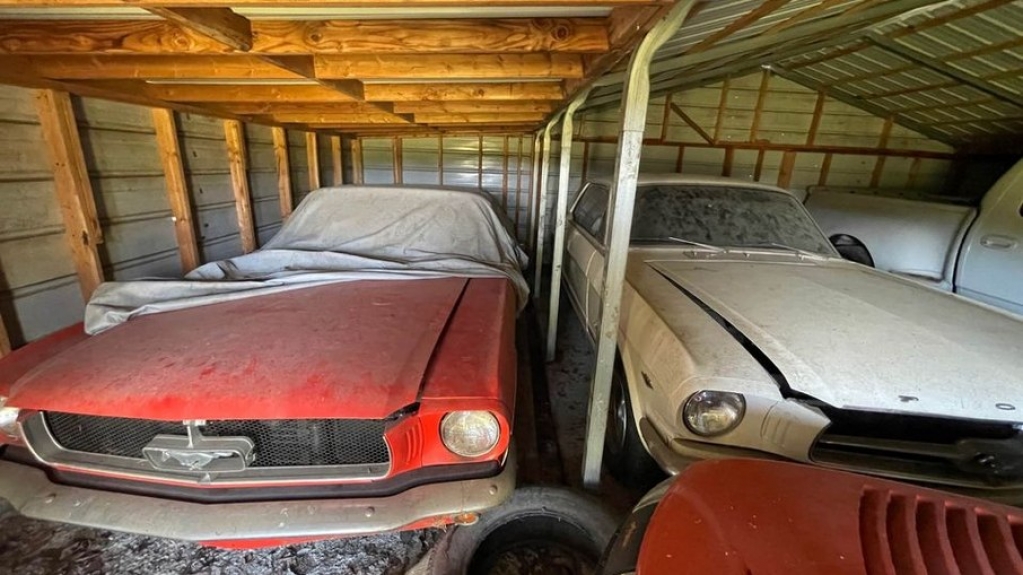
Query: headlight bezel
(451, 417)
(738, 404)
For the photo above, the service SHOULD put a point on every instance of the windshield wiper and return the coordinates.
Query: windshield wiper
(697, 244)
(786, 247)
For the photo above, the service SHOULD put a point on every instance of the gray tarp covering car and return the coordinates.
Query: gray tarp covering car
(428, 232)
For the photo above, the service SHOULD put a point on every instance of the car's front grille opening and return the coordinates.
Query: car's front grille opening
(278, 442)
(909, 534)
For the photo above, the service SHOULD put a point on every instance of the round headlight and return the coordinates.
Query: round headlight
(469, 433)
(710, 413)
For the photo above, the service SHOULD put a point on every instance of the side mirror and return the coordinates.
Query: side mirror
(852, 249)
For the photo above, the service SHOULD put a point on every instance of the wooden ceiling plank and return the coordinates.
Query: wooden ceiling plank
(463, 92)
(472, 107)
(453, 66)
(281, 37)
(221, 24)
(477, 118)
(131, 66)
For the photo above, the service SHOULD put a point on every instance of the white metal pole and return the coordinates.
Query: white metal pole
(635, 97)
(534, 176)
(561, 215)
(541, 228)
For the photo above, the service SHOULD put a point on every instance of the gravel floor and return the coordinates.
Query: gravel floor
(29, 547)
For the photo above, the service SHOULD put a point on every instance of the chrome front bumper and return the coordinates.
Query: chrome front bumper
(31, 493)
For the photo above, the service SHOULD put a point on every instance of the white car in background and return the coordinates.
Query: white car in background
(743, 333)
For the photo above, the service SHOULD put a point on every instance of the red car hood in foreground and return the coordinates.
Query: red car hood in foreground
(356, 349)
(751, 517)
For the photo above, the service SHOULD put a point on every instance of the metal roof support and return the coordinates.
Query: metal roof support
(541, 228)
(635, 98)
(561, 215)
(534, 178)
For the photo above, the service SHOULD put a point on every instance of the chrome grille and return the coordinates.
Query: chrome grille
(279, 442)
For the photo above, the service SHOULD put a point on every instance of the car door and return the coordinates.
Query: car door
(991, 265)
(585, 266)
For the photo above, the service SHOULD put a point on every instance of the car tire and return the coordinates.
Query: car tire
(544, 512)
(624, 453)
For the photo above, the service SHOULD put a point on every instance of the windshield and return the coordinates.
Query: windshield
(724, 216)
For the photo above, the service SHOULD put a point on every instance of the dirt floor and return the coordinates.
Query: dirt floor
(29, 547)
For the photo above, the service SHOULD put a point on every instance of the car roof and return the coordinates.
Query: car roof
(695, 179)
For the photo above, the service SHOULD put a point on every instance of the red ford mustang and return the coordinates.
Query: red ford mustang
(355, 375)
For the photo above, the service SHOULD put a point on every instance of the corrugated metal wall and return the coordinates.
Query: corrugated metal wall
(461, 161)
(39, 290)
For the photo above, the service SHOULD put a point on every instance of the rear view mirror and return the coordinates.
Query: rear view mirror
(852, 249)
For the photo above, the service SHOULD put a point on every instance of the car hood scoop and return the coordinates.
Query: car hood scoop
(355, 349)
(860, 339)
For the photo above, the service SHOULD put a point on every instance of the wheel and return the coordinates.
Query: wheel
(624, 454)
(538, 530)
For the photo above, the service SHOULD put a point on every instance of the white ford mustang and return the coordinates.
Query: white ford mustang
(743, 333)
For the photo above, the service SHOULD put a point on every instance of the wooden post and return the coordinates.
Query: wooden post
(335, 156)
(313, 157)
(758, 111)
(479, 164)
(822, 180)
(886, 130)
(236, 155)
(440, 159)
(177, 187)
(788, 164)
(504, 175)
(396, 152)
(283, 171)
(74, 190)
(357, 174)
(5, 340)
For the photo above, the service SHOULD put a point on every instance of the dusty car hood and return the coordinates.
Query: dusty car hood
(857, 338)
(354, 349)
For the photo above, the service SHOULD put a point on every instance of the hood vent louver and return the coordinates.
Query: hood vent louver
(912, 535)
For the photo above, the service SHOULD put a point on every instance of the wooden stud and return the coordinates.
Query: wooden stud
(440, 159)
(825, 169)
(73, 187)
(237, 158)
(396, 152)
(886, 130)
(914, 172)
(678, 159)
(479, 165)
(336, 160)
(722, 106)
(758, 110)
(666, 117)
(504, 175)
(5, 340)
(815, 122)
(788, 165)
(280, 136)
(357, 171)
(177, 187)
(518, 187)
(221, 24)
(726, 168)
(312, 154)
(691, 123)
(449, 66)
(758, 169)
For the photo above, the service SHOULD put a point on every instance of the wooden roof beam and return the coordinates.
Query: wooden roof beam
(333, 118)
(463, 92)
(133, 66)
(484, 107)
(220, 24)
(454, 66)
(479, 118)
(279, 37)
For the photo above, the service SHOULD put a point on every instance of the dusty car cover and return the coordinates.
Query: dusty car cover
(339, 234)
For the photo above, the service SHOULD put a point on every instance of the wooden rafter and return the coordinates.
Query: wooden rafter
(73, 187)
(177, 187)
(5, 340)
(950, 17)
(237, 156)
(220, 24)
(280, 138)
(744, 21)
